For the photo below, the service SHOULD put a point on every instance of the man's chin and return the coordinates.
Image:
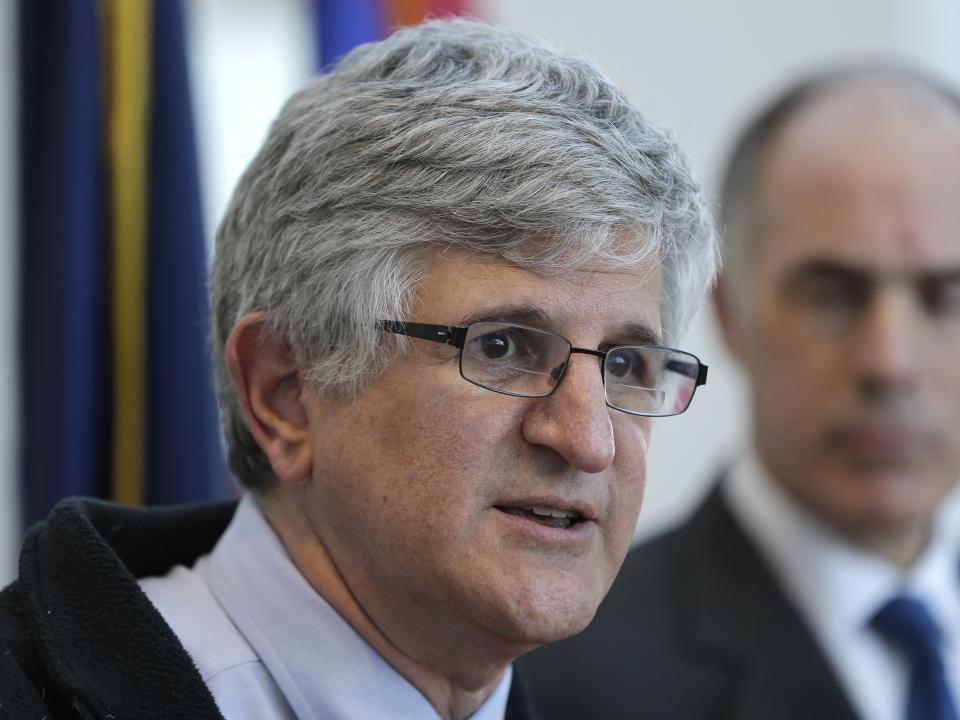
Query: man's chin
(876, 513)
(540, 602)
(569, 629)
(549, 624)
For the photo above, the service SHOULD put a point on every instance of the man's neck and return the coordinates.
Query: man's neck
(901, 547)
(899, 543)
(455, 676)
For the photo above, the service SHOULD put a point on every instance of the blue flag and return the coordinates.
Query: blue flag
(68, 246)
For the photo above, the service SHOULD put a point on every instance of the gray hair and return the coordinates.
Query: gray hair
(743, 175)
(451, 133)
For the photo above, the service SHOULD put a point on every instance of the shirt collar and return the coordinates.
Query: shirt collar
(323, 667)
(936, 580)
(837, 586)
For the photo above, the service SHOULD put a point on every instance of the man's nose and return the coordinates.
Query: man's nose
(889, 340)
(574, 421)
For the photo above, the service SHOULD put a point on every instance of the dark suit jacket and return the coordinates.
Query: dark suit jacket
(695, 627)
(79, 639)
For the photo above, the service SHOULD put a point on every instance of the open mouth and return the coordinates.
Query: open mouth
(550, 517)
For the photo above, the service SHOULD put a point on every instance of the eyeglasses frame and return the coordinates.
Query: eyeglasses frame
(456, 335)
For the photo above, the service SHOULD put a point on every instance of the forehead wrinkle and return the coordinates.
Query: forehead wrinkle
(597, 275)
(611, 300)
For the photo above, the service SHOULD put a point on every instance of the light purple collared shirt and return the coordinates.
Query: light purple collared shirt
(270, 647)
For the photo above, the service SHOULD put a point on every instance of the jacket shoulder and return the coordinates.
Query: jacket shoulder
(81, 635)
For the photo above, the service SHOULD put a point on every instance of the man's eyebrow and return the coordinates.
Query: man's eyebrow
(632, 333)
(799, 279)
(519, 314)
(839, 269)
(640, 334)
(813, 268)
(941, 275)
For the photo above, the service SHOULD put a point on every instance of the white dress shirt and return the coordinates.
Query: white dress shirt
(838, 587)
(270, 647)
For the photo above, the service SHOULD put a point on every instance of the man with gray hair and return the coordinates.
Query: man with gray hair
(442, 294)
(821, 577)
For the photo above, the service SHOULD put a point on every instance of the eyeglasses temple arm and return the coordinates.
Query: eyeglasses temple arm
(424, 331)
(690, 370)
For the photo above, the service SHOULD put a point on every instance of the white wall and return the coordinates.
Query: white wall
(246, 57)
(9, 527)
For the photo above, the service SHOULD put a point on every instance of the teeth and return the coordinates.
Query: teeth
(552, 512)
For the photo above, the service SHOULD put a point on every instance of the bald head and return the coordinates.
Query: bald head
(865, 119)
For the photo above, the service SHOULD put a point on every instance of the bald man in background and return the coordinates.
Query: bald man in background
(819, 578)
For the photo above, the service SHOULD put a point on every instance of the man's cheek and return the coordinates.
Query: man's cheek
(632, 440)
(483, 437)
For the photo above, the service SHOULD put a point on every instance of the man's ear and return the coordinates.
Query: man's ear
(728, 316)
(269, 385)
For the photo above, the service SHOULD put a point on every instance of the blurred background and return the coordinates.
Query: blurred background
(118, 402)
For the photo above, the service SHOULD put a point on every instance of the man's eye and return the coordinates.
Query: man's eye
(630, 367)
(495, 346)
(835, 294)
(619, 366)
(506, 344)
(941, 296)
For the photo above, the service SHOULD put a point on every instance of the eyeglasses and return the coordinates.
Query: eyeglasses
(512, 359)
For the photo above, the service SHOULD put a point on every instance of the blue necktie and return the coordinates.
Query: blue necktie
(907, 624)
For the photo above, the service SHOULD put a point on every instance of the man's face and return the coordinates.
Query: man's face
(411, 481)
(852, 334)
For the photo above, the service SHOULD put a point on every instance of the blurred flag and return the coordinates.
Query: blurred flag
(344, 24)
(117, 397)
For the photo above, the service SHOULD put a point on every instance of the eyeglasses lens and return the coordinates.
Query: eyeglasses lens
(525, 361)
(650, 380)
(514, 359)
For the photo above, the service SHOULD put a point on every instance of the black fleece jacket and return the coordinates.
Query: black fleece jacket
(78, 638)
